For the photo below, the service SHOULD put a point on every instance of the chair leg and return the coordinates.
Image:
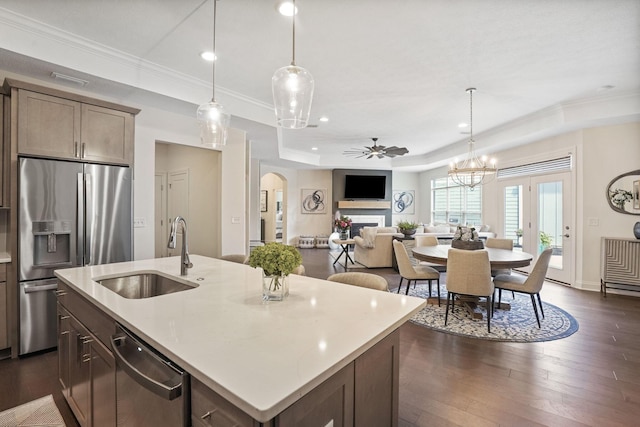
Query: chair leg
(446, 311)
(540, 303)
(409, 284)
(489, 312)
(400, 285)
(535, 309)
(429, 288)
(438, 284)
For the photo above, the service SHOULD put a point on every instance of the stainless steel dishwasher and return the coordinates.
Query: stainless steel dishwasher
(150, 389)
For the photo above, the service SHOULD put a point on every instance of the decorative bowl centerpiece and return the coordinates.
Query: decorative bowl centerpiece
(466, 238)
(408, 228)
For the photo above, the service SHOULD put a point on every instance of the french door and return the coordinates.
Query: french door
(537, 213)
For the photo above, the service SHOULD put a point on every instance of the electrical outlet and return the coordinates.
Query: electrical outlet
(594, 222)
(139, 223)
(235, 220)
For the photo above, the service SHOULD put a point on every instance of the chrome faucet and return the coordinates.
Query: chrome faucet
(184, 255)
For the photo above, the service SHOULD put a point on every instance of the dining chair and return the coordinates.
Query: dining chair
(429, 241)
(300, 270)
(493, 242)
(237, 258)
(531, 284)
(413, 273)
(365, 280)
(469, 273)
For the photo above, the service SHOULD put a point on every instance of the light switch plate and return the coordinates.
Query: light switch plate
(139, 223)
(235, 220)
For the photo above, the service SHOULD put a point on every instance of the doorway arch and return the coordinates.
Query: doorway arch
(273, 208)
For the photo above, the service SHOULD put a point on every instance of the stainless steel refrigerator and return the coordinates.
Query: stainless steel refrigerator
(71, 214)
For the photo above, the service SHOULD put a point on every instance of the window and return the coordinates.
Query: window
(455, 204)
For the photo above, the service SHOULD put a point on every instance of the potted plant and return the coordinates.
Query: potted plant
(545, 240)
(408, 228)
(277, 262)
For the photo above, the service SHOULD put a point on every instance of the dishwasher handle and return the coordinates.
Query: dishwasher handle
(168, 392)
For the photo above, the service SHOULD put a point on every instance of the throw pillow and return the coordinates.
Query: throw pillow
(369, 236)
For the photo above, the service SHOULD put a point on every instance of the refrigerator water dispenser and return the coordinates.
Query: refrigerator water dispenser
(51, 243)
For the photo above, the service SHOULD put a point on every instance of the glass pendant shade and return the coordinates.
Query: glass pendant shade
(292, 95)
(214, 123)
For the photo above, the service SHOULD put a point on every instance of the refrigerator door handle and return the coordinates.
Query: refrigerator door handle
(88, 218)
(80, 220)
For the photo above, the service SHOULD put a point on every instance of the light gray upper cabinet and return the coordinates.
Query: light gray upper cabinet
(50, 126)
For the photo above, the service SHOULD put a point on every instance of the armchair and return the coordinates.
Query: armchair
(374, 249)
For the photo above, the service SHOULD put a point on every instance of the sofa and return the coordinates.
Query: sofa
(374, 247)
(446, 231)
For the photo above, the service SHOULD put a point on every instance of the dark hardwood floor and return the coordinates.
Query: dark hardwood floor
(591, 378)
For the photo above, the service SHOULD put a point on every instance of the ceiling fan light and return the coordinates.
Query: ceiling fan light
(292, 96)
(214, 123)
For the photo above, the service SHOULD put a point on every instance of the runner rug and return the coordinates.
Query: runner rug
(39, 412)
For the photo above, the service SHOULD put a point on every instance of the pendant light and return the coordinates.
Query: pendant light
(212, 117)
(292, 91)
(472, 171)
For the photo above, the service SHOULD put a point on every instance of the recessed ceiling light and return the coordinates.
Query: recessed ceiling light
(324, 119)
(208, 56)
(463, 125)
(314, 148)
(286, 8)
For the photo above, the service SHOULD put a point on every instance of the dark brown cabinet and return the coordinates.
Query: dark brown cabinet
(87, 368)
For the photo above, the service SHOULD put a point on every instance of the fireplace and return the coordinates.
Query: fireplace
(359, 221)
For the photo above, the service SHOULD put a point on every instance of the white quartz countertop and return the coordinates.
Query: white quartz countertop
(261, 356)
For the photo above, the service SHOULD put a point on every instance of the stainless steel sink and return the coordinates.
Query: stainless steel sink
(147, 285)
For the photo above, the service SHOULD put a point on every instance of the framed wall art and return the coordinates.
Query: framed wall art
(404, 201)
(313, 201)
(263, 200)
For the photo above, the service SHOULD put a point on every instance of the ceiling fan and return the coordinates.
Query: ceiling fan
(376, 150)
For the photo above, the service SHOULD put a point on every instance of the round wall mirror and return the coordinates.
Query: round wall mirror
(623, 193)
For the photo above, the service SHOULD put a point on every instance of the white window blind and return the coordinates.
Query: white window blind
(556, 165)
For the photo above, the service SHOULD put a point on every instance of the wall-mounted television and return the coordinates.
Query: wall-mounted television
(365, 186)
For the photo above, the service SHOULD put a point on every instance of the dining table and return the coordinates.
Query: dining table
(499, 259)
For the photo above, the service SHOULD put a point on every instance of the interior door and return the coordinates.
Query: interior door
(178, 202)
(160, 219)
(537, 212)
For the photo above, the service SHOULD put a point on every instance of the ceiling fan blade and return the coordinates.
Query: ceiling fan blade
(369, 156)
(396, 151)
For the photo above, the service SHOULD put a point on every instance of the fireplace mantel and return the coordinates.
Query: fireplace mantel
(364, 204)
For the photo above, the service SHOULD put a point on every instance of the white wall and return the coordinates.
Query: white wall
(403, 181)
(298, 223)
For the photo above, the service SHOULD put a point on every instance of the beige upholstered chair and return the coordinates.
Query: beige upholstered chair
(493, 242)
(365, 280)
(469, 273)
(300, 270)
(527, 285)
(410, 272)
(379, 251)
(237, 258)
(429, 241)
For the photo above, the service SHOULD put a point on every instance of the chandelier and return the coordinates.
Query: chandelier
(473, 170)
(212, 117)
(292, 90)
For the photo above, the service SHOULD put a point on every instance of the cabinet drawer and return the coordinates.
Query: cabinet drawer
(222, 412)
(97, 322)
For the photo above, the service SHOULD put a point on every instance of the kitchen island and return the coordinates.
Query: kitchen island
(261, 357)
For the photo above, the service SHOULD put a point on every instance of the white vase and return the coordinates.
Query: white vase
(274, 288)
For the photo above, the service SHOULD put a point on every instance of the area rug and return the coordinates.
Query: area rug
(40, 412)
(515, 325)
